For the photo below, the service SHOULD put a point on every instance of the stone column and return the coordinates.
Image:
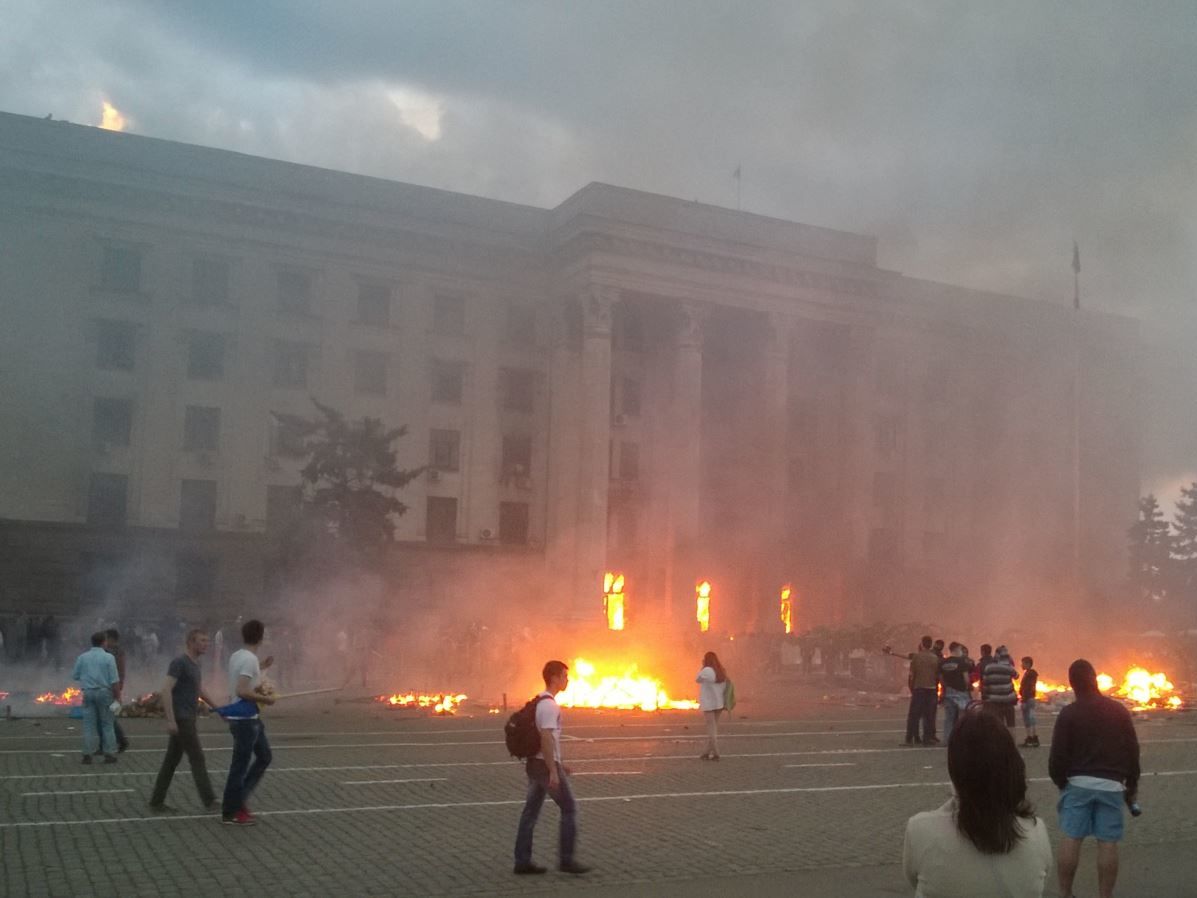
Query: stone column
(856, 470)
(594, 475)
(685, 480)
(771, 486)
(563, 447)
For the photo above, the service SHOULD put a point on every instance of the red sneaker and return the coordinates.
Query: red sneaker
(241, 818)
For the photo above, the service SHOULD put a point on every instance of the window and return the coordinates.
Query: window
(115, 343)
(201, 428)
(112, 422)
(370, 373)
(374, 304)
(448, 315)
(120, 269)
(286, 438)
(629, 461)
(205, 356)
(107, 499)
(440, 525)
(513, 523)
(796, 476)
(517, 457)
(210, 281)
(282, 507)
(197, 505)
(883, 490)
(883, 546)
(521, 325)
(518, 387)
(887, 435)
(448, 382)
(195, 578)
(295, 292)
(444, 450)
(290, 365)
(629, 399)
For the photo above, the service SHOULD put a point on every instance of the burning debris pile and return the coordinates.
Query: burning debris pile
(618, 689)
(69, 696)
(438, 703)
(1139, 690)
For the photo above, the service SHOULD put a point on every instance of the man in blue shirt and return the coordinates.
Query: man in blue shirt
(95, 672)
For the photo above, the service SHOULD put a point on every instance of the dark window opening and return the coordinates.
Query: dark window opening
(290, 365)
(517, 457)
(197, 505)
(205, 356)
(201, 428)
(112, 423)
(115, 345)
(513, 523)
(440, 525)
(444, 450)
(518, 387)
(448, 382)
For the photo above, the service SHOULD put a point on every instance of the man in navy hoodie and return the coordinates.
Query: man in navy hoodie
(1094, 762)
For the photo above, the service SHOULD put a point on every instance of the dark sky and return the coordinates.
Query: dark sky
(975, 140)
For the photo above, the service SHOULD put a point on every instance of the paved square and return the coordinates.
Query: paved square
(364, 801)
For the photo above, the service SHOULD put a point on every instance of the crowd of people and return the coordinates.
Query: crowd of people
(950, 679)
(987, 840)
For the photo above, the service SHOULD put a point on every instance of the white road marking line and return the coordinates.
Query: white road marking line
(419, 765)
(447, 805)
(423, 779)
(607, 773)
(841, 764)
(78, 792)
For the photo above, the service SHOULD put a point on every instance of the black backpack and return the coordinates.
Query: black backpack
(520, 733)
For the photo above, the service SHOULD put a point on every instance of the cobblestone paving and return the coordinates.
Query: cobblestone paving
(360, 802)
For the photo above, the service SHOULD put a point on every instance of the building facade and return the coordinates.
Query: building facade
(625, 382)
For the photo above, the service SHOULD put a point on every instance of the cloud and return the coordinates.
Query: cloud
(977, 141)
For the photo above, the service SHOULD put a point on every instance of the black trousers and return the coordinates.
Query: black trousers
(184, 742)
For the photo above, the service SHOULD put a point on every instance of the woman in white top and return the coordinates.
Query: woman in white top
(986, 842)
(712, 684)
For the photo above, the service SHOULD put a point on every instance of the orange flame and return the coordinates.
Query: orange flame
(613, 600)
(69, 696)
(440, 702)
(787, 608)
(703, 606)
(1143, 689)
(111, 118)
(618, 688)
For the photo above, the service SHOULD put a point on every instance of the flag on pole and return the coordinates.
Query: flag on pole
(1076, 255)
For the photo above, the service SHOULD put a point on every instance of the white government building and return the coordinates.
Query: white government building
(625, 382)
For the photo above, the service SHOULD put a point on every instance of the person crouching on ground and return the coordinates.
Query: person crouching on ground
(712, 690)
(249, 735)
(986, 842)
(547, 775)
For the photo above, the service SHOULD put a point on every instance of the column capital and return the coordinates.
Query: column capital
(692, 322)
(597, 302)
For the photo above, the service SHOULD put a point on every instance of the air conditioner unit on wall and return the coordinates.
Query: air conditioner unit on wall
(486, 533)
(620, 419)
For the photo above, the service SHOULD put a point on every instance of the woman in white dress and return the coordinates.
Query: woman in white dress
(712, 685)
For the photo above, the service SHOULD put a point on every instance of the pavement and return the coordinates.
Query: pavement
(363, 800)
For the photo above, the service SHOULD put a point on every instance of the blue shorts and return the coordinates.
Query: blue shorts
(1091, 812)
(1028, 713)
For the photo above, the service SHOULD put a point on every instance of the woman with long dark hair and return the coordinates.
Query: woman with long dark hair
(986, 842)
(712, 688)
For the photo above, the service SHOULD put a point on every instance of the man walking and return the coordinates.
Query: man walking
(924, 689)
(249, 735)
(181, 691)
(1094, 762)
(95, 672)
(953, 673)
(547, 775)
(112, 645)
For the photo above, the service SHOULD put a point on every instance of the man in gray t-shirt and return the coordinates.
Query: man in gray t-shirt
(181, 692)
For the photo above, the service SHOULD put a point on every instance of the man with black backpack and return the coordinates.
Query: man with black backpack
(546, 774)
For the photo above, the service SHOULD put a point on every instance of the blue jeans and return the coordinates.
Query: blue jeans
(97, 721)
(922, 709)
(249, 740)
(954, 701)
(538, 788)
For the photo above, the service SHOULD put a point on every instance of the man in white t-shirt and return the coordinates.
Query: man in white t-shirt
(249, 735)
(548, 776)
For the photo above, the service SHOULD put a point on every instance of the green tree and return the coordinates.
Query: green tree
(348, 509)
(1150, 551)
(1184, 543)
